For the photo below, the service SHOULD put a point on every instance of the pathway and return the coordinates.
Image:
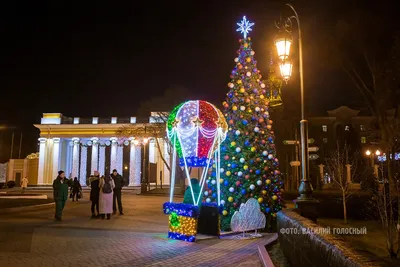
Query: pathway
(138, 238)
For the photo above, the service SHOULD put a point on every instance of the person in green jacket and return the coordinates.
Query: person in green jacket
(188, 199)
(60, 187)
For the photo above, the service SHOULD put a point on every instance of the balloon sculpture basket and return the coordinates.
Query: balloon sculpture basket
(187, 220)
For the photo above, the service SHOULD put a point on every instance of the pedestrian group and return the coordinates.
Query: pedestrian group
(105, 193)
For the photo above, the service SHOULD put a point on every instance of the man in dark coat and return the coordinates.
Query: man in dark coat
(60, 193)
(94, 181)
(119, 183)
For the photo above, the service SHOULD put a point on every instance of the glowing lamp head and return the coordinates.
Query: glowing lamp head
(135, 142)
(286, 70)
(378, 153)
(368, 152)
(283, 43)
(145, 140)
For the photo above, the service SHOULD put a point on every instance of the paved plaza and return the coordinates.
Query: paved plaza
(138, 238)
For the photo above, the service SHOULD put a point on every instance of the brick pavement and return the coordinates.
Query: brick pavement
(137, 238)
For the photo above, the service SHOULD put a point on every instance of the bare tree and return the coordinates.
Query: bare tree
(336, 165)
(156, 131)
(385, 200)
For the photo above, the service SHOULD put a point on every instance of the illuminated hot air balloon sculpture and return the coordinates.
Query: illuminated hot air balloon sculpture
(196, 130)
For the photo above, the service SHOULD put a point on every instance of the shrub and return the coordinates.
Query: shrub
(10, 184)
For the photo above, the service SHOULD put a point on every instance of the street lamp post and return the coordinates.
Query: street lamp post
(371, 156)
(306, 204)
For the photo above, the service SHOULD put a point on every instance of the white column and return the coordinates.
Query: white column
(83, 169)
(68, 160)
(138, 165)
(166, 173)
(113, 157)
(75, 157)
(133, 181)
(56, 156)
(95, 155)
(348, 173)
(102, 160)
(42, 152)
(120, 160)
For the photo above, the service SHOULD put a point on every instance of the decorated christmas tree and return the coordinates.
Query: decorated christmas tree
(249, 166)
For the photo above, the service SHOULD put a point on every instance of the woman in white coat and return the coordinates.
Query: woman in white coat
(106, 196)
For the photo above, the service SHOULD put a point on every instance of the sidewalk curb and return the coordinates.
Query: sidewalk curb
(263, 253)
(26, 208)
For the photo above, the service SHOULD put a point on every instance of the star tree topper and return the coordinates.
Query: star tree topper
(245, 27)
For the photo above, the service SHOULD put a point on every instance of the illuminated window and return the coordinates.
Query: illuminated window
(363, 140)
(325, 140)
(324, 128)
(347, 128)
(362, 128)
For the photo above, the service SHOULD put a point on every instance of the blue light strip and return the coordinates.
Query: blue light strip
(195, 162)
(177, 236)
(181, 209)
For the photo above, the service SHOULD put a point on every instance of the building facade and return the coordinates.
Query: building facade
(81, 146)
(340, 126)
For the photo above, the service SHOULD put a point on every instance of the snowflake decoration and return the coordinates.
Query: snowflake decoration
(245, 26)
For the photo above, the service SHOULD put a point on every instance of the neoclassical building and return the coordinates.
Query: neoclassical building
(81, 146)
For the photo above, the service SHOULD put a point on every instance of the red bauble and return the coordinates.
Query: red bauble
(258, 159)
(235, 204)
(261, 120)
(230, 121)
(264, 176)
(247, 176)
(226, 157)
(266, 168)
(237, 183)
(263, 142)
(251, 171)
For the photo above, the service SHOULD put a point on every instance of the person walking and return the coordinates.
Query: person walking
(106, 196)
(119, 183)
(94, 181)
(24, 184)
(76, 189)
(60, 193)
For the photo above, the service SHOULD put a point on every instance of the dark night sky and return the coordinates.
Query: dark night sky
(85, 58)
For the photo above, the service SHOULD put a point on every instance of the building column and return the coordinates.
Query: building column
(134, 164)
(348, 173)
(75, 157)
(56, 156)
(166, 173)
(42, 152)
(120, 159)
(95, 155)
(83, 168)
(138, 165)
(102, 160)
(113, 157)
(68, 159)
